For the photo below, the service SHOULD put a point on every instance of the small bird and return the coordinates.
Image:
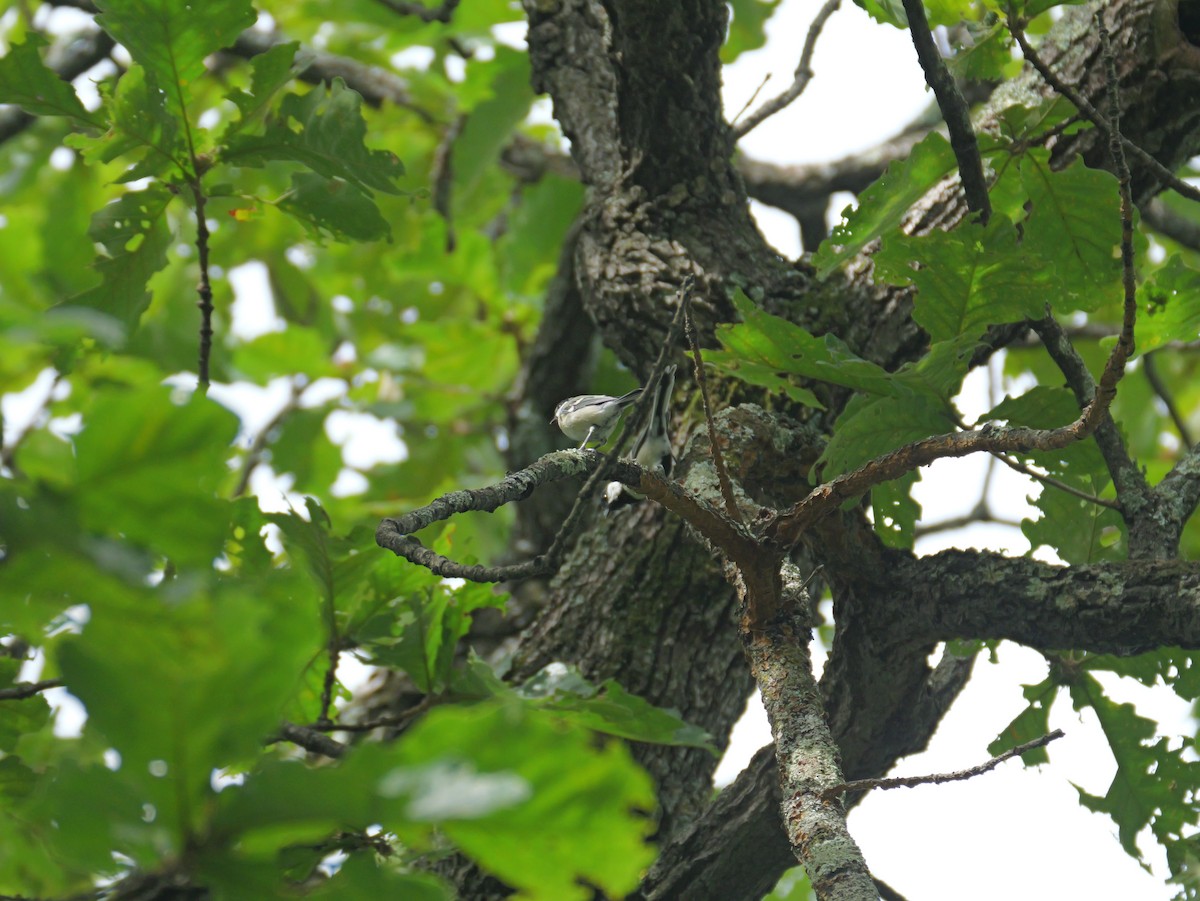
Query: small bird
(652, 447)
(591, 417)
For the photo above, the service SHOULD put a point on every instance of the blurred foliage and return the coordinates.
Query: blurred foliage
(184, 560)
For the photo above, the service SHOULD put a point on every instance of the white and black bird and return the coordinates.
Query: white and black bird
(591, 417)
(652, 447)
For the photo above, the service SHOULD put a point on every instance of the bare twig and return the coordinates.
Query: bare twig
(396, 534)
(802, 77)
(68, 61)
(727, 495)
(1161, 172)
(441, 174)
(940, 778)
(376, 85)
(981, 513)
(954, 110)
(750, 102)
(327, 685)
(1049, 482)
(1150, 368)
(1124, 349)
(22, 690)
(204, 287)
(259, 444)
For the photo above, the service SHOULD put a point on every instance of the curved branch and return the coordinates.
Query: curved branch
(396, 534)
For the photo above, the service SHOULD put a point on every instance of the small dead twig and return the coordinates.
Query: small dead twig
(727, 495)
(259, 444)
(802, 77)
(940, 778)
(1154, 377)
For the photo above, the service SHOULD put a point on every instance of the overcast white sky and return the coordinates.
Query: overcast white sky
(1016, 832)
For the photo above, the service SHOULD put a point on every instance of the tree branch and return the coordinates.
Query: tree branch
(1161, 172)
(731, 507)
(862, 785)
(806, 751)
(800, 80)
(22, 690)
(1150, 368)
(954, 110)
(309, 739)
(1111, 608)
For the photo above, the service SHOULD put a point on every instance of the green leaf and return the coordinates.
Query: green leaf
(171, 38)
(872, 426)
(556, 808)
(1032, 722)
(895, 512)
(762, 347)
(17, 780)
(793, 885)
(1074, 222)
(432, 623)
(270, 73)
(140, 125)
(156, 678)
(611, 710)
(581, 820)
(1169, 305)
(1175, 667)
(363, 876)
(886, 12)
(26, 81)
(987, 58)
(333, 206)
(295, 350)
(488, 127)
(747, 30)
(882, 206)
(1153, 783)
(21, 717)
(135, 237)
(325, 131)
(968, 278)
(137, 442)
(1078, 530)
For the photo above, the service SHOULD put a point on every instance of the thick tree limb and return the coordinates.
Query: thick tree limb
(807, 755)
(1111, 608)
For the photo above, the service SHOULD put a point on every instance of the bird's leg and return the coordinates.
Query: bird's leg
(587, 438)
